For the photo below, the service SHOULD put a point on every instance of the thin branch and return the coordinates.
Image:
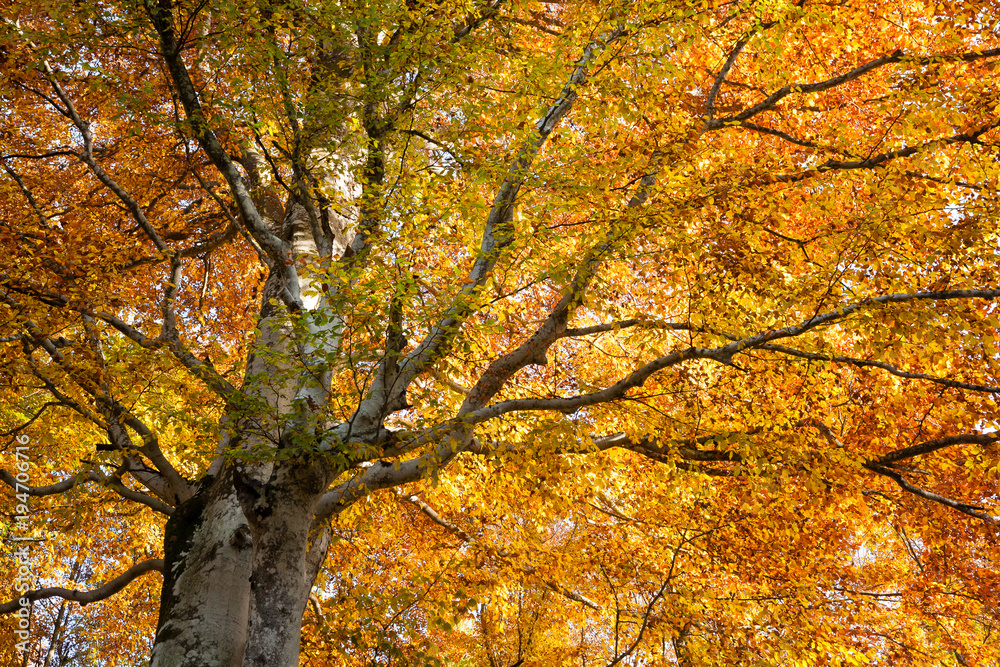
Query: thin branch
(704, 470)
(436, 518)
(844, 311)
(465, 537)
(826, 431)
(213, 242)
(645, 623)
(111, 410)
(233, 222)
(537, 25)
(626, 324)
(431, 140)
(449, 382)
(76, 406)
(688, 450)
(868, 363)
(33, 418)
(88, 158)
(783, 135)
(42, 218)
(614, 392)
(876, 160)
(204, 370)
(723, 355)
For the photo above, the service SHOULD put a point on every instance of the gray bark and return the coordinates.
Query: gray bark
(204, 606)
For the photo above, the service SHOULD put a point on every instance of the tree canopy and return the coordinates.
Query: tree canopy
(500, 332)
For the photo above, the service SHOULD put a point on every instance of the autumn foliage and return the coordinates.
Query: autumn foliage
(571, 332)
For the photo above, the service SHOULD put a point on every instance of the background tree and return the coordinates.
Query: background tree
(601, 332)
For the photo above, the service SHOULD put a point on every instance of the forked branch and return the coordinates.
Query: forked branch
(498, 231)
(819, 86)
(161, 13)
(112, 482)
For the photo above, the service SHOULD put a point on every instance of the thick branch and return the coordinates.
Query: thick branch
(86, 597)
(39, 491)
(534, 349)
(728, 65)
(169, 331)
(473, 21)
(964, 508)
(180, 488)
(112, 482)
(448, 438)
(614, 392)
(982, 439)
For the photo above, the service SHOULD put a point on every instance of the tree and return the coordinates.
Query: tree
(657, 331)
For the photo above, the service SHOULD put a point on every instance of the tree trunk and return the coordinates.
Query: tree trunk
(209, 546)
(283, 572)
(242, 554)
(234, 591)
(205, 602)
